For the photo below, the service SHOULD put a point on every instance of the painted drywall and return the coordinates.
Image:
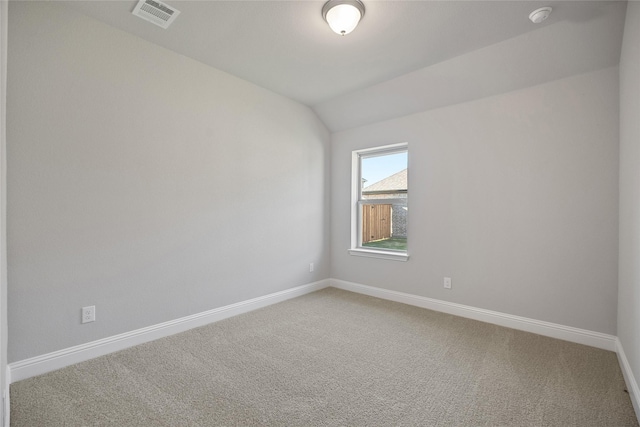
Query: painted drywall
(147, 184)
(629, 253)
(4, 413)
(515, 197)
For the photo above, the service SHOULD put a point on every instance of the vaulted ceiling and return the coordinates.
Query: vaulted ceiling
(404, 57)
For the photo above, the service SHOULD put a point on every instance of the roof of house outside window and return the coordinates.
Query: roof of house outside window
(391, 184)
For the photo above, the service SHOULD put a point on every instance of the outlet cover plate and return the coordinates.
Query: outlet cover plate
(89, 314)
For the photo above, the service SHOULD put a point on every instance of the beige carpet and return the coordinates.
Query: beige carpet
(334, 358)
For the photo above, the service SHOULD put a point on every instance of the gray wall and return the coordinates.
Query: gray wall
(629, 273)
(147, 184)
(513, 196)
(3, 210)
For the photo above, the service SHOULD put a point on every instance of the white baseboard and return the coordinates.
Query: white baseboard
(553, 330)
(59, 359)
(629, 378)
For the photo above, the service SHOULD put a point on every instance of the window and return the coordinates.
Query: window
(379, 208)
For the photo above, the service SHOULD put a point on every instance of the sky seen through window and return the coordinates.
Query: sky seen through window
(377, 168)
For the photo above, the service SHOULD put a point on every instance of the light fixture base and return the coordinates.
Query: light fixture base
(539, 15)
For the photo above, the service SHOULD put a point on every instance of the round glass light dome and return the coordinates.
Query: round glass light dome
(343, 16)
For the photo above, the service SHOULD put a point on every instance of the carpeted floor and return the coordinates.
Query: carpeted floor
(334, 358)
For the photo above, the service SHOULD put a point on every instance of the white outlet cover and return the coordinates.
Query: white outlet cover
(447, 282)
(89, 314)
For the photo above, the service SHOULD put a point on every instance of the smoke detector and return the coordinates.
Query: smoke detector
(539, 15)
(156, 12)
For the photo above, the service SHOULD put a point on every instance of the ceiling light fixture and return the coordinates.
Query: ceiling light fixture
(539, 15)
(343, 15)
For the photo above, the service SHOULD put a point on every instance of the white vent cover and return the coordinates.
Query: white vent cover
(156, 12)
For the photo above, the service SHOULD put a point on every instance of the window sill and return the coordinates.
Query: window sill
(395, 256)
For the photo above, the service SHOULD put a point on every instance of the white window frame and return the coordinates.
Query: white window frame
(357, 201)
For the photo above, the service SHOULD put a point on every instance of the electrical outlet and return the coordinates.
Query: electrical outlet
(311, 267)
(89, 314)
(447, 282)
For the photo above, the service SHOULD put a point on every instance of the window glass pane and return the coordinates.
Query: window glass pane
(384, 226)
(383, 174)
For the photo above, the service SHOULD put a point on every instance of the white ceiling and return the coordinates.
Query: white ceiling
(405, 56)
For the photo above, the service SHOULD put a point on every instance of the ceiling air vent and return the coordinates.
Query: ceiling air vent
(156, 12)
